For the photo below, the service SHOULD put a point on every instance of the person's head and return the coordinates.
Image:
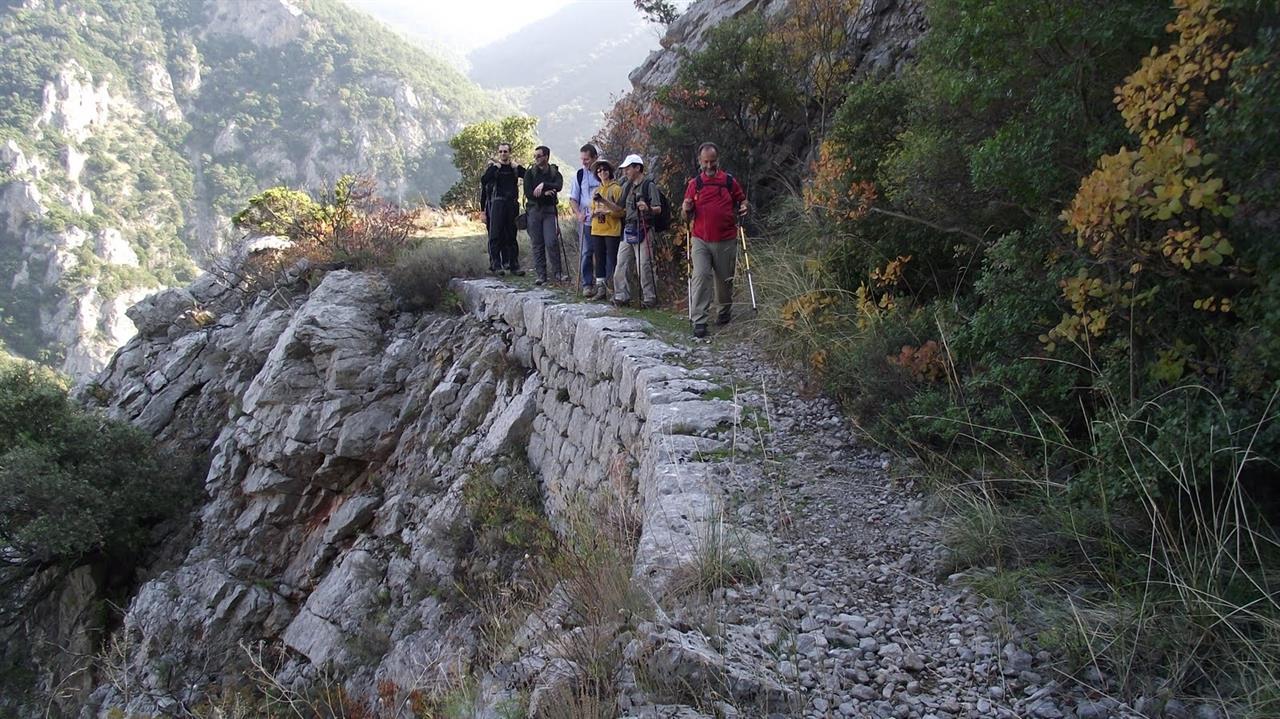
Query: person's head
(633, 167)
(589, 154)
(541, 155)
(708, 158)
(603, 170)
(504, 151)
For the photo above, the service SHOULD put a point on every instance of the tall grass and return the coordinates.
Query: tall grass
(1167, 595)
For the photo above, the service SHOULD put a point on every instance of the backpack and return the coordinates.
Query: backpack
(660, 222)
(728, 182)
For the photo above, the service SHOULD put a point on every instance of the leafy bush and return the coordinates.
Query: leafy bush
(346, 226)
(75, 485)
(420, 278)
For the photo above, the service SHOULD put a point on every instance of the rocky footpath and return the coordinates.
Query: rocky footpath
(853, 612)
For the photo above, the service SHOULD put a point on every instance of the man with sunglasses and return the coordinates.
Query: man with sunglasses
(542, 185)
(499, 201)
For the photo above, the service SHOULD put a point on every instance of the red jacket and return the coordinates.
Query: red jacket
(715, 218)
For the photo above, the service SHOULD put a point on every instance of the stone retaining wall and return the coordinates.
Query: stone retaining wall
(614, 415)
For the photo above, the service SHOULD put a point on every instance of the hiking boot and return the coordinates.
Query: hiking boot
(500, 272)
(562, 278)
(539, 281)
(587, 290)
(619, 302)
(700, 330)
(602, 292)
(649, 304)
(723, 317)
(518, 273)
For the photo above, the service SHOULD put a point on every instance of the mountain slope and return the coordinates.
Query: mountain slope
(132, 129)
(568, 68)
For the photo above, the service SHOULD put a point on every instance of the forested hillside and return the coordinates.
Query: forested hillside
(132, 129)
(1039, 262)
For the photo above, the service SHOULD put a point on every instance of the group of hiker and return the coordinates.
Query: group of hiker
(619, 214)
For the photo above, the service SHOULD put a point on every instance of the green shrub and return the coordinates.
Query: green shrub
(506, 526)
(75, 485)
(420, 278)
(276, 211)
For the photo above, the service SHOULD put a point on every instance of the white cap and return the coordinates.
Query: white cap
(631, 160)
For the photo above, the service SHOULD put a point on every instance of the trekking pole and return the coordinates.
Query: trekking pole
(746, 258)
(646, 245)
(564, 262)
(688, 267)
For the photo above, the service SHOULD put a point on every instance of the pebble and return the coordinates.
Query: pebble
(859, 616)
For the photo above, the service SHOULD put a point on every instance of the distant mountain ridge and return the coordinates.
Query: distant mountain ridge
(130, 131)
(568, 68)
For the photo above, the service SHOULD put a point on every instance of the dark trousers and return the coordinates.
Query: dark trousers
(585, 263)
(604, 255)
(544, 240)
(503, 250)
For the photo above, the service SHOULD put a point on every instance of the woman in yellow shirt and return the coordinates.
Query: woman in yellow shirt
(606, 226)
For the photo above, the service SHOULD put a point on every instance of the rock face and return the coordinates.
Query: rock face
(339, 437)
(142, 131)
(880, 38)
(881, 35)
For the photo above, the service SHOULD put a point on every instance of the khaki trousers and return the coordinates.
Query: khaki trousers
(639, 257)
(713, 264)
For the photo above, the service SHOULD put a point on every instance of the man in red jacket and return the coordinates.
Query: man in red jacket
(712, 199)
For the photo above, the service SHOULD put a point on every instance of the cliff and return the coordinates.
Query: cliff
(345, 443)
(135, 128)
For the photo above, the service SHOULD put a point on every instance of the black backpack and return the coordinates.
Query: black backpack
(661, 222)
(728, 183)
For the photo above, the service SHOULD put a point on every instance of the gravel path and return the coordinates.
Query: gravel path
(852, 607)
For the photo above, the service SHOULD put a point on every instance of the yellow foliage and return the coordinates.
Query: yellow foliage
(1153, 203)
(807, 309)
(1170, 87)
(831, 189)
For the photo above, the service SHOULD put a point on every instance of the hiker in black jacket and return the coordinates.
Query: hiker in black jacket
(542, 185)
(499, 200)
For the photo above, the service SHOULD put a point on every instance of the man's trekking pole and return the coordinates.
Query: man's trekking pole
(746, 259)
(688, 267)
(646, 245)
(564, 264)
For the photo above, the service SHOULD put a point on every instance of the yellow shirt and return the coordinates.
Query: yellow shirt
(611, 224)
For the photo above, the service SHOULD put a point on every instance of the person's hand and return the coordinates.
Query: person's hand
(687, 207)
(537, 191)
(744, 208)
(642, 206)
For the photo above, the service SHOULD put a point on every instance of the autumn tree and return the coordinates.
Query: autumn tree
(735, 93)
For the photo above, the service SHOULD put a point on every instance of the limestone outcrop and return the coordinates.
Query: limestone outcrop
(337, 437)
(882, 35)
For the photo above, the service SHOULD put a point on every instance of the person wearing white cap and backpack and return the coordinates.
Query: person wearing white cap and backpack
(642, 201)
